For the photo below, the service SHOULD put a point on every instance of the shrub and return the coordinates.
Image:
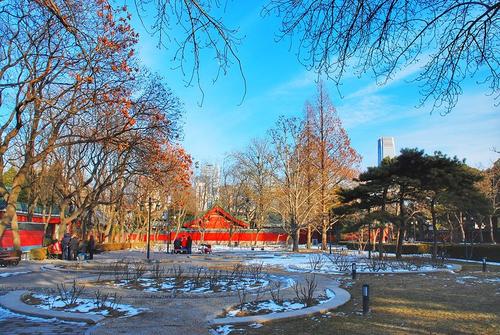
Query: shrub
(118, 246)
(461, 251)
(476, 252)
(410, 248)
(38, 254)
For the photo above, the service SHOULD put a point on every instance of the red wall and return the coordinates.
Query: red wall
(218, 236)
(29, 238)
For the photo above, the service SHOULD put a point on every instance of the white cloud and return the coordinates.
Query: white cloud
(399, 76)
(301, 81)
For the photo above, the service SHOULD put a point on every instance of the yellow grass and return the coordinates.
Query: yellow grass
(408, 304)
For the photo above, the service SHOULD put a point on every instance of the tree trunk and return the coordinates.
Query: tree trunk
(399, 241)
(324, 234)
(461, 225)
(295, 239)
(380, 243)
(434, 231)
(10, 215)
(492, 232)
(309, 236)
(402, 223)
(481, 238)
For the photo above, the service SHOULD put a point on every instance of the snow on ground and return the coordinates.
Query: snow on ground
(85, 306)
(255, 325)
(223, 330)
(6, 314)
(190, 286)
(477, 280)
(10, 274)
(338, 262)
(271, 306)
(472, 261)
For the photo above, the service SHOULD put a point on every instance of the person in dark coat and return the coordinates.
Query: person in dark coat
(65, 246)
(177, 245)
(73, 247)
(91, 246)
(189, 244)
(183, 245)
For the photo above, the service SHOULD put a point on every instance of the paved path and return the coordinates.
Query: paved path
(13, 301)
(165, 315)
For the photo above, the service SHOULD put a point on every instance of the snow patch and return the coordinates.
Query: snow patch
(222, 330)
(83, 305)
(10, 274)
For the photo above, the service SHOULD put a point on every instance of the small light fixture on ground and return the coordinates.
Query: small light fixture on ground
(366, 298)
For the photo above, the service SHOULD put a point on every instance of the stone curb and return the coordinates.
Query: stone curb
(341, 297)
(12, 301)
(453, 268)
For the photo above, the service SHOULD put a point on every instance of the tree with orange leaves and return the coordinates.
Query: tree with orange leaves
(53, 80)
(332, 160)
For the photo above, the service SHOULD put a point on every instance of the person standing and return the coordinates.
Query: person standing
(189, 244)
(65, 246)
(73, 247)
(184, 245)
(91, 246)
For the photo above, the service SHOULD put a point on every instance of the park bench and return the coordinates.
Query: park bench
(10, 257)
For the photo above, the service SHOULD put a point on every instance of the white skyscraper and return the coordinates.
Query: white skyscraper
(207, 186)
(386, 148)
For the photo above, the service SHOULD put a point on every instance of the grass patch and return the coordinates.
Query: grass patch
(434, 303)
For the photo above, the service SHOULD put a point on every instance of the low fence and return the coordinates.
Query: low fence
(462, 251)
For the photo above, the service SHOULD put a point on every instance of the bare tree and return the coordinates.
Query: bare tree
(452, 40)
(332, 158)
(490, 187)
(290, 179)
(254, 166)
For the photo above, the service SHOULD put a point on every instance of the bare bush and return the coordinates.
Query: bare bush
(197, 277)
(255, 271)
(178, 274)
(237, 272)
(139, 271)
(258, 294)
(121, 271)
(316, 262)
(214, 280)
(70, 295)
(242, 296)
(157, 272)
(305, 292)
(100, 299)
(276, 292)
(377, 264)
(340, 259)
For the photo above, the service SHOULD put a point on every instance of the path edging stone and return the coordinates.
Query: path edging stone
(13, 301)
(341, 297)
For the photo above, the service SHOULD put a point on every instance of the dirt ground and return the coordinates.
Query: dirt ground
(467, 302)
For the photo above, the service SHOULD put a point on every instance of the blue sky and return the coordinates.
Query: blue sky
(277, 84)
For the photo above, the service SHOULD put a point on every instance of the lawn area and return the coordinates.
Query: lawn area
(467, 302)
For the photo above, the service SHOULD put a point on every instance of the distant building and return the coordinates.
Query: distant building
(386, 148)
(207, 186)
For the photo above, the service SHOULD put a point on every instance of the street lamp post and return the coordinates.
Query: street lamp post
(149, 229)
(150, 204)
(369, 240)
(330, 239)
